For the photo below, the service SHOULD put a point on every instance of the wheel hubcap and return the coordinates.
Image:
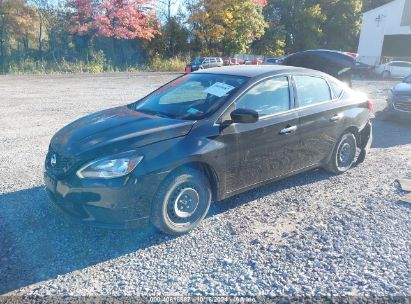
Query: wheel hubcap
(345, 157)
(186, 203)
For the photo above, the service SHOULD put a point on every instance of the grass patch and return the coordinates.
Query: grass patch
(97, 64)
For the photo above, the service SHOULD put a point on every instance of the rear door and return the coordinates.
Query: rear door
(320, 120)
(268, 148)
(206, 63)
(405, 69)
(212, 63)
(396, 69)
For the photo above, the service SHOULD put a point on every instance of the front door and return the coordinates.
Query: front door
(268, 148)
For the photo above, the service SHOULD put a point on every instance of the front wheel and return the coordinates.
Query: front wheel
(182, 202)
(343, 156)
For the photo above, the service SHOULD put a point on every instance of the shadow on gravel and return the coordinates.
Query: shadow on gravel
(37, 243)
(403, 204)
(389, 134)
(302, 179)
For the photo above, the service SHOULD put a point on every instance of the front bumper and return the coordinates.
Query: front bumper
(398, 109)
(117, 203)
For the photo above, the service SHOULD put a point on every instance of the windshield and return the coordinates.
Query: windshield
(197, 61)
(408, 79)
(191, 97)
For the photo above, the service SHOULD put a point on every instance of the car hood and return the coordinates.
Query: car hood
(402, 89)
(116, 129)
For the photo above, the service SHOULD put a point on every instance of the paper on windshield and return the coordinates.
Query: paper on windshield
(219, 89)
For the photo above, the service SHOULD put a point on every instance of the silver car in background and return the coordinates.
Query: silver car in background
(394, 69)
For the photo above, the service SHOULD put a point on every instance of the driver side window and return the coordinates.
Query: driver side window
(269, 97)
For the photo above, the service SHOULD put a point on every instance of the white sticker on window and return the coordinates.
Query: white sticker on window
(219, 89)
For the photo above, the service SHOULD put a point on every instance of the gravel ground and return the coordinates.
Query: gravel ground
(313, 234)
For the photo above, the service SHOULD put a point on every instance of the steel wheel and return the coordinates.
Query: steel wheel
(182, 202)
(344, 153)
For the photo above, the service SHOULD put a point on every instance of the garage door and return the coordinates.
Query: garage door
(397, 46)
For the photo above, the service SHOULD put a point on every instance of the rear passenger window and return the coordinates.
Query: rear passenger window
(311, 90)
(268, 97)
(336, 87)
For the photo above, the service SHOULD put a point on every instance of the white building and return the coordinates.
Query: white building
(386, 32)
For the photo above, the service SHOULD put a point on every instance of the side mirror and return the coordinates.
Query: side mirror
(244, 116)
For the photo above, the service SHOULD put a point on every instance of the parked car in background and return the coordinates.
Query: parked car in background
(334, 63)
(394, 69)
(204, 137)
(204, 63)
(256, 61)
(399, 101)
(271, 60)
(363, 70)
(231, 61)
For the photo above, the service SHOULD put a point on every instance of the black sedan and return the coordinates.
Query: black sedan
(204, 137)
(399, 100)
(338, 64)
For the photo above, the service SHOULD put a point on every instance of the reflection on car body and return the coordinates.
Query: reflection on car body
(204, 63)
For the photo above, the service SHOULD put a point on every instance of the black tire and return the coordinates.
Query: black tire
(182, 201)
(386, 75)
(343, 156)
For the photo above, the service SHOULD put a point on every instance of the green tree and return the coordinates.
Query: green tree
(295, 23)
(273, 41)
(342, 25)
(227, 26)
(16, 28)
(42, 10)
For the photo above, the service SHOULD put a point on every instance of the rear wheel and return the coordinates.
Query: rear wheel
(343, 156)
(182, 202)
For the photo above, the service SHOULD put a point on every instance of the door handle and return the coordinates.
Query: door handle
(288, 130)
(336, 117)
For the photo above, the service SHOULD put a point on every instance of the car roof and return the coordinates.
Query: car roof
(397, 61)
(258, 70)
(320, 51)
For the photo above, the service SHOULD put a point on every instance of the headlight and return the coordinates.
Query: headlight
(110, 167)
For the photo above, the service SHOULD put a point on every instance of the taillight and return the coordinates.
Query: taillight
(370, 106)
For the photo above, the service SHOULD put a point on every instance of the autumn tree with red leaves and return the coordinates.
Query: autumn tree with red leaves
(119, 19)
(114, 19)
(82, 16)
(126, 19)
